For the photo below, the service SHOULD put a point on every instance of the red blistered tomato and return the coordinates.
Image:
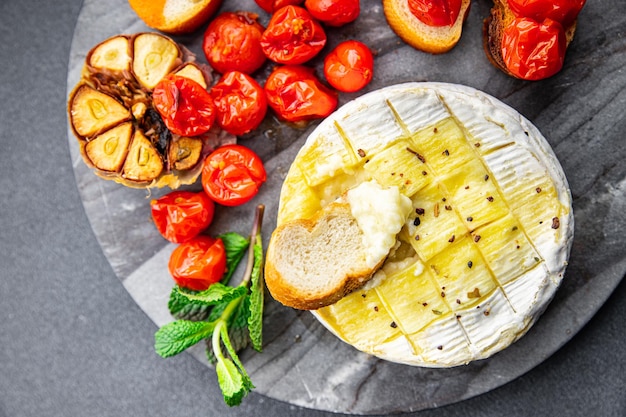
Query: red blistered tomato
(181, 215)
(334, 12)
(232, 42)
(232, 175)
(563, 11)
(240, 102)
(198, 263)
(271, 6)
(532, 50)
(186, 107)
(292, 36)
(296, 94)
(349, 67)
(436, 12)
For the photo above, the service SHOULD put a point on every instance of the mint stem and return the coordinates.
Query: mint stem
(254, 236)
(232, 306)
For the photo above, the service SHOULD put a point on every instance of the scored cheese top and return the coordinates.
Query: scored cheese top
(489, 230)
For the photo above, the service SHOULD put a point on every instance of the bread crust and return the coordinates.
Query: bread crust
(288, 292)
(434, 40)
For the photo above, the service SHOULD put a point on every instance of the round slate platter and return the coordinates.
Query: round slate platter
(580, 112)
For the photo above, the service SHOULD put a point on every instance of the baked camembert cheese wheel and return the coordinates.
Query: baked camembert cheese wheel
(487, 237)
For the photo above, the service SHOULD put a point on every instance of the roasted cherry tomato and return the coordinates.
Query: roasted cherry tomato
(296, 94)
(436, 12)
(181, 215)
(292, 36)
(187, 109)
(334, 12)
(349, 67)
(271, 6)
(198, 263)
(232, 42)
(563, 11)
(532, 50)
(232, 175)
(240, 102)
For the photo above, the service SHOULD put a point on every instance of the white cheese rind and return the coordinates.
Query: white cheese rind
(515, 154)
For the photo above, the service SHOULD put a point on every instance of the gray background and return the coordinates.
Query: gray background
(73, 342)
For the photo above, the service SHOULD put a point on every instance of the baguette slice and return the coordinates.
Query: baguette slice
(431, 39)
(312, 263)
(175, 17)
(494, 25)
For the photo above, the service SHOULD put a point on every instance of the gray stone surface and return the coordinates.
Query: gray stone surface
(74, 342)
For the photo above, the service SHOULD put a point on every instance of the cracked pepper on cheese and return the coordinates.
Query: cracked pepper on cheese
(486, 242)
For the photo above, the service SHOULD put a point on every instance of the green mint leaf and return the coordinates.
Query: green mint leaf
(231, 382)
(255, 318)
(246, 381)
(240, 317)
(235, 246)
(216, 294)
(182, 307)
(177, 336)
(237, 326)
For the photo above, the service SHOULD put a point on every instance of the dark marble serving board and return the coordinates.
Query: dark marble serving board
(582, 113)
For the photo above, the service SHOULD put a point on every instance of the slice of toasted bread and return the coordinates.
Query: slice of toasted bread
(312, 263)
(494, 25)
(175, 16)
(432, 39)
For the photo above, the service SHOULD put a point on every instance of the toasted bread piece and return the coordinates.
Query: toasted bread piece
(432, 39)
(312, 263)
(499, 18)
(175, 16)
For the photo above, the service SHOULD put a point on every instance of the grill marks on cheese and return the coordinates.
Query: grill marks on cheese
(480, 229)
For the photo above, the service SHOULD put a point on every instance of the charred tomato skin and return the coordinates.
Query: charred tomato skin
(232, 175)
(334, 12)
(349, 66)
(271, 6)
(436, 13)
(232, 42)
(292, 36)
(240, 103)
(296, 94)
(533, 50)
(179, 216)
(186, 107)
(198, 263)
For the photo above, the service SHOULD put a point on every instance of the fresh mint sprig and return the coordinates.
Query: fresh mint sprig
(233, 308)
